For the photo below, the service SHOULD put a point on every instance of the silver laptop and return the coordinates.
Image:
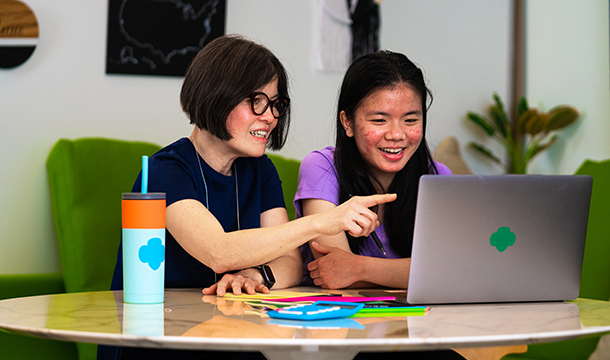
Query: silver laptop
(498, 238)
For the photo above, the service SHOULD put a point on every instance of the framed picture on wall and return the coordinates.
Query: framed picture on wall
(18, 33)
(160, 37)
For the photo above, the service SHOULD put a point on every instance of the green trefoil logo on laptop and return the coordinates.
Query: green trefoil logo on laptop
(503, 238)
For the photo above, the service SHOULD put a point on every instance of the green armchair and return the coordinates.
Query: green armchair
(87, 177)
(288, 170)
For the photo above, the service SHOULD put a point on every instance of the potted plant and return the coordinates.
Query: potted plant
(524, 138)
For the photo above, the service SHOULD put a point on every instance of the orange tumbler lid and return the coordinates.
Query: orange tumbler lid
(143, 214)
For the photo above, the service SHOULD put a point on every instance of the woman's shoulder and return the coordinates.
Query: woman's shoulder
(180, 147)
(179, 153)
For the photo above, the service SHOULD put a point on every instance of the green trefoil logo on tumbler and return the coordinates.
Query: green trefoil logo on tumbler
(503, 238)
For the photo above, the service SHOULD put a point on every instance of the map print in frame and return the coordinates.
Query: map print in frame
(160, 37)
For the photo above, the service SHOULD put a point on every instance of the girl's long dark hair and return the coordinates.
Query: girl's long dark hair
(369, 73)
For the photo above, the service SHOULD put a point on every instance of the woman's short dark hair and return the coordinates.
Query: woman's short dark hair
(368, 74)
(224, 73)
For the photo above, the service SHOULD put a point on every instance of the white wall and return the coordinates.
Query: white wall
(568, 63)
(62, 91)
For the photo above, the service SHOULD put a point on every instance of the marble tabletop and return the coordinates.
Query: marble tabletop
(189, 320)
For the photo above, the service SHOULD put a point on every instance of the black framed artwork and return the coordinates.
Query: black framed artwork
(160, 37)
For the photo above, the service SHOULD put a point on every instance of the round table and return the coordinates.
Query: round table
(189, 320)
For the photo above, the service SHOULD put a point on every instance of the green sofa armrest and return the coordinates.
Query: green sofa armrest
(19, 285)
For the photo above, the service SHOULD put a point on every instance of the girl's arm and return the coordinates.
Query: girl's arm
(338, 269)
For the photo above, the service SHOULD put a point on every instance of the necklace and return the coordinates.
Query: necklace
(205, 185)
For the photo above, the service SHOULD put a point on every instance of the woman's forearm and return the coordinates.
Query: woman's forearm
(287, 270)
(202, 236)
(226, 251)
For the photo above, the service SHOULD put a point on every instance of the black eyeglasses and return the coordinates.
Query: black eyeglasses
(260, 102)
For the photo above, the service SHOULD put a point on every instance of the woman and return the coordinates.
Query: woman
(380, 148)
(225, 211)
(225, 208)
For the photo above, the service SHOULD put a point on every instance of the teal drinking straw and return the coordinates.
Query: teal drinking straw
(144, 174)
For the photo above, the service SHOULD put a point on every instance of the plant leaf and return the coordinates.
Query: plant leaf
(522, 107)
(536, 148)
(561, 116)
(482, 122)
(524, 119)
(485, 152)
(537, 124)
(498, 114)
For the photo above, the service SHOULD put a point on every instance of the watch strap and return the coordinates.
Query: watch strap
(268, 278)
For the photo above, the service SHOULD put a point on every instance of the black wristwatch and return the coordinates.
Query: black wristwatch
(268, 278)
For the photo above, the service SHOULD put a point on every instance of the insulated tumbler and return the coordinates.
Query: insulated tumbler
(143, 247)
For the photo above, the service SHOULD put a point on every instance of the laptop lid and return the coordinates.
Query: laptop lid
(498, 238)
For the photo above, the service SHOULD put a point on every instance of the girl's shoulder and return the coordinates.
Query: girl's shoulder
(442, 169)
(328, 153)
(323, 158)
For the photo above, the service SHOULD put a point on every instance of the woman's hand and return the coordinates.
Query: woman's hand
(243, 280)
(336, 269)
(354, 215)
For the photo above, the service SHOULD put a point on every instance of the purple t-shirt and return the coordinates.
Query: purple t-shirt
(318, 180)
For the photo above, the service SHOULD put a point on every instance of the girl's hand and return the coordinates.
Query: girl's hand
(336, 269)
